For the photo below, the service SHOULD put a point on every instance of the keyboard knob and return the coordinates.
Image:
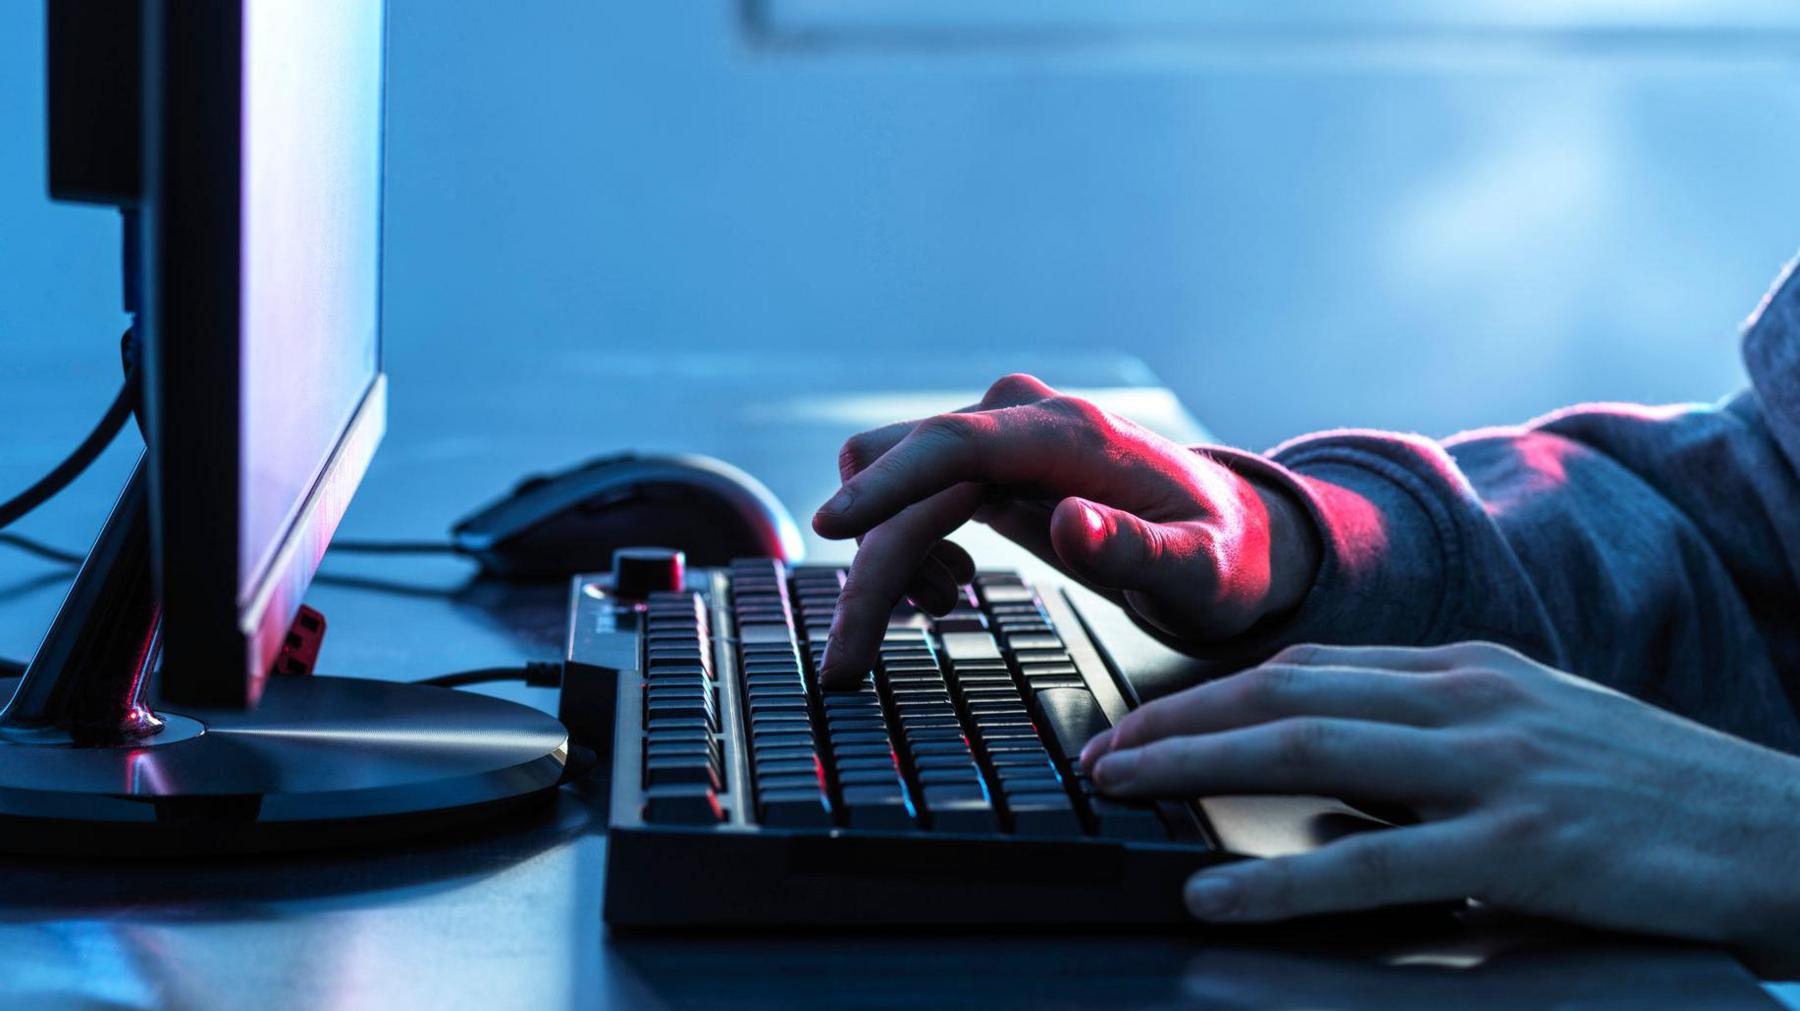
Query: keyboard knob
(639, 572)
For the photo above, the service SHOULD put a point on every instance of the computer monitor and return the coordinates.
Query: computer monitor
(149, 721)
(260, 267)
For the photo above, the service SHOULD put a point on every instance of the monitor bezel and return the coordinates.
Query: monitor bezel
(221, 634)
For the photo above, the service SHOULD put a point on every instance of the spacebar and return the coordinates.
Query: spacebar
(1074, 717)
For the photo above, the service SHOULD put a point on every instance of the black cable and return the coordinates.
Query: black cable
(32, 546)
(357, 547)
(72, 465)
(537, 673)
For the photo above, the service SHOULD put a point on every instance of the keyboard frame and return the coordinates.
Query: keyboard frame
(741, 873)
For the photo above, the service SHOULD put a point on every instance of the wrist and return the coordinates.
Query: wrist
(1294, 547)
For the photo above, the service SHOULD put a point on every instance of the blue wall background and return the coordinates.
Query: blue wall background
(1428, 231)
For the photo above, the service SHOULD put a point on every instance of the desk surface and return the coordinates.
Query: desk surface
(510, 917)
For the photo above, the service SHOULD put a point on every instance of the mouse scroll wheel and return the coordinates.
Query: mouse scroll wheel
(530, 484)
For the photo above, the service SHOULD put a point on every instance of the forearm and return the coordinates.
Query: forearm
(1633, 548)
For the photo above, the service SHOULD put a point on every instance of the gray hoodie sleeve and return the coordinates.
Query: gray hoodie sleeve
(1650, 549)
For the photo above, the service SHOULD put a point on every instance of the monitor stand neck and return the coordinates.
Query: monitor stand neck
(86, 685)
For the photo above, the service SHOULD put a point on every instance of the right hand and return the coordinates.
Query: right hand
(1189, 546)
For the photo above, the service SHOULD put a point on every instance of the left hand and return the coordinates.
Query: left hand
(1536, 791)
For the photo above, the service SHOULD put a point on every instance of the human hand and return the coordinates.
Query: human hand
(1187, 544)
(1536, 791)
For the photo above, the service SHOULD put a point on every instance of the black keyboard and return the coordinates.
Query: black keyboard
(944, 789)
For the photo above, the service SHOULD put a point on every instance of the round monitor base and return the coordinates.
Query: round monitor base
(321, 761)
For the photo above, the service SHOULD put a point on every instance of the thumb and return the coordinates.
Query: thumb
(1109, 548)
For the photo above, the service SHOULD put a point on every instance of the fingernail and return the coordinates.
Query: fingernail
(1116, 768)
(839, 502)
(1095, 522)
(1100, 745)
(1211, 896)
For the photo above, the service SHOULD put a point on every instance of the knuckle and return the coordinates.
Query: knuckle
(1478, 689)
(853, 456)
(1299, 653)
(1268, 688)
(1084, 412)
(1520, 825)
(945, 428)
(1373, 867)
(1507, 749)
(1303, 743)
(1014, 387)
(1480, 653)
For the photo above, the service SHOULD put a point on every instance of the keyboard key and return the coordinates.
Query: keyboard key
(949, 732)
(760, 632)
(781, 719)
(858, 737)
(685, 804)
(798, 808)
(994, 594)
(679, 724)
(1040, 683)
(808, 780)
(785, 754)
(1033, 640)
(970, 646)
(879, 808)
(961, 621)
(877, 776)
(786, 767)
(679, 709)
(1116, 820)
(967, 773)
(1023, 780)
(665, 771)
(661, 733)
(1043, 814)
(876, 750)
(960, 809)
(781, 738)
(1073, 717)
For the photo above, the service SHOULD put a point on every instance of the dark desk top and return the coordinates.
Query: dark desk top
(510, 918)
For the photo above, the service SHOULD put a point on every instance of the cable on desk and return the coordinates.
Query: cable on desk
(361, 547)
(582, 760)
(42, 549)
(107, 429)
(537, 674)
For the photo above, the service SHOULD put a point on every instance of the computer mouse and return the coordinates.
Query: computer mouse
(559, 524)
